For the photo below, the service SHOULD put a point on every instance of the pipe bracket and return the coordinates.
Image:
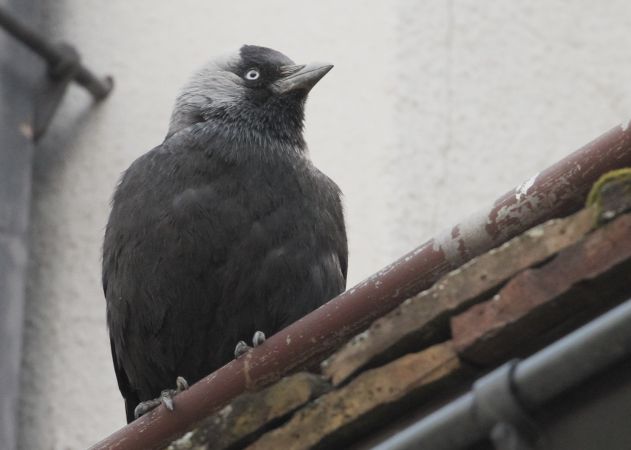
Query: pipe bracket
(496, 402)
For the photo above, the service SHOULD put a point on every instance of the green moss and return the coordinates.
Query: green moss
(595, 194)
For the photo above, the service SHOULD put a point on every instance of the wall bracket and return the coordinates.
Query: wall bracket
(64, 66)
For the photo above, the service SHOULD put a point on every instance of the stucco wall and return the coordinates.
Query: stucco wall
(433, 109)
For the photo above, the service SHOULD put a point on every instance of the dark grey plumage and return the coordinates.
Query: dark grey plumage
(224, 229)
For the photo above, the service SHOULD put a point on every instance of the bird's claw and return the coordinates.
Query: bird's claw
(146, 406)
(181, 384)
(242, 348)
(166, 398)
(258, 338)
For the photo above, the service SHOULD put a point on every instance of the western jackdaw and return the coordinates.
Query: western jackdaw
(223, 230)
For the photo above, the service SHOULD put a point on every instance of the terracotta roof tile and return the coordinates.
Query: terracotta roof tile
(246, 417)
(542, 303)
(329, 416)
(424, 317)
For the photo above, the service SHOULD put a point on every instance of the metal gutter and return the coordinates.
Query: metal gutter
(557, 191)
(501, 400)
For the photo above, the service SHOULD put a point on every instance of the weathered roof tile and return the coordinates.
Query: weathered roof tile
(424, 318)
(372, 390)
(542, 303)
(250, 414)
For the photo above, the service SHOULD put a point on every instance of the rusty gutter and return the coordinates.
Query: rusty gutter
(555, 192)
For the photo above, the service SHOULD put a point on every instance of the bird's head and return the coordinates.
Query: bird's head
(256, 93)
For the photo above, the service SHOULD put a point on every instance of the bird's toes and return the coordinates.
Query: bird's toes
(146, 406)
(181, 384)
(241, 349)
(258, 338)
(166, 398)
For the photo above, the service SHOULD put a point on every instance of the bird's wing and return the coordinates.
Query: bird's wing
(334, 195)
(157, 257)
(129, 394)
(342, 243)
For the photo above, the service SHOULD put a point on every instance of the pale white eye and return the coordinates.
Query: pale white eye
(252, 74)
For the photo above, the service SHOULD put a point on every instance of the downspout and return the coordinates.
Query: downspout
(30, 93)
(18, 69)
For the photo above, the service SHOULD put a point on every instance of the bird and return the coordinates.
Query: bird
(224, 231)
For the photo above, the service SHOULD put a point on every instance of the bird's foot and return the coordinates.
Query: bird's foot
(166, 398)
(242, 348)
(258, 338)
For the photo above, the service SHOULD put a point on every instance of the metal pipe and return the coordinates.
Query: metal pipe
(557, 368)
(438, 429)
(55, 56)
(557, 191)
(573, 359)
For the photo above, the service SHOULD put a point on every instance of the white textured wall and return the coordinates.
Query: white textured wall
(434, 109)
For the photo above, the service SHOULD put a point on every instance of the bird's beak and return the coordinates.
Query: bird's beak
(300, 77)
